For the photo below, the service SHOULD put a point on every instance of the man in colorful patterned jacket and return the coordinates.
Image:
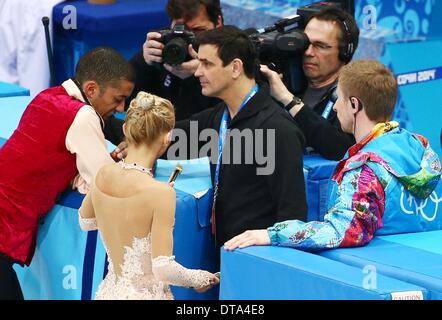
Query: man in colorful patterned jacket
(386, 165)
(58, 141)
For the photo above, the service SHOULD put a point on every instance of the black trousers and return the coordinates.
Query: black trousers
(9, 285)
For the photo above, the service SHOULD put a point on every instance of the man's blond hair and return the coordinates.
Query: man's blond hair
(374, 84)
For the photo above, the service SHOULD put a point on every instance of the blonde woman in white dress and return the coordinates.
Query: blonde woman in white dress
(135, 214)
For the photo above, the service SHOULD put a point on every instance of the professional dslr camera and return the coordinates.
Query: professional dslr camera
(281, 45)
(176, 42)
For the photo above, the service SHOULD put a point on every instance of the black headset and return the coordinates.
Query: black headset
(346, 52)
(360, 106)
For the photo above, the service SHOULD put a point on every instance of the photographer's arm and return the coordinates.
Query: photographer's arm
(326, 138)
(278, 90)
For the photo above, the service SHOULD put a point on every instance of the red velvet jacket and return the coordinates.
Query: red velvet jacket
(35, 167)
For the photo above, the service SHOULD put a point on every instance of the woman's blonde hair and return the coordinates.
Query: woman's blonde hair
(148, 117)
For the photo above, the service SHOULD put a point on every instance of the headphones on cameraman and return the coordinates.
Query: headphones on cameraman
(346, 53)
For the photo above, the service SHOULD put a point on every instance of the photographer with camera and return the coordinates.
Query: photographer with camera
(170, 76)
(333, 35)
(165, 77)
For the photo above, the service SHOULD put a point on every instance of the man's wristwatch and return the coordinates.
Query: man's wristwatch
(293, 103)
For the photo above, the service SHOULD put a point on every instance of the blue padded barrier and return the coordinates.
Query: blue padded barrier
(278, 273)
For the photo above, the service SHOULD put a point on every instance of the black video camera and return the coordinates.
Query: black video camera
(276, 44)
(176, 42)
(282, 45)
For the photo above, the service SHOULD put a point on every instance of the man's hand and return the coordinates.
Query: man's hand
(153, 48)
(186, 69)
(277, 88)
(248, 238)
(120, 151)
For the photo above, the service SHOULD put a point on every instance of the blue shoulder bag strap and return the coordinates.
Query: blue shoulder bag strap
(331, 101)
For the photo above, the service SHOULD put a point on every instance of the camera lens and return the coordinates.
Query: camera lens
(175, 51)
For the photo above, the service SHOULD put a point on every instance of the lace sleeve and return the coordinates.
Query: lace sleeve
(166, 269)
(87, 224)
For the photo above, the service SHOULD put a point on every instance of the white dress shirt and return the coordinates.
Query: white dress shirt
(86, 140)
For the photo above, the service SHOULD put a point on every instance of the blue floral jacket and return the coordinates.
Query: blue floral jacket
(384, 185)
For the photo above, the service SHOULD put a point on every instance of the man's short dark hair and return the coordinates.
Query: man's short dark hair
(232, 43)
(349, 37)
(187, 9)
(105, 66)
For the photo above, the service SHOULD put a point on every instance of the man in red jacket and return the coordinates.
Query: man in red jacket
(58, 141)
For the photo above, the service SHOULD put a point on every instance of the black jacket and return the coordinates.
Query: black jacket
(325, 136)
(247, 200)
(113, 130)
